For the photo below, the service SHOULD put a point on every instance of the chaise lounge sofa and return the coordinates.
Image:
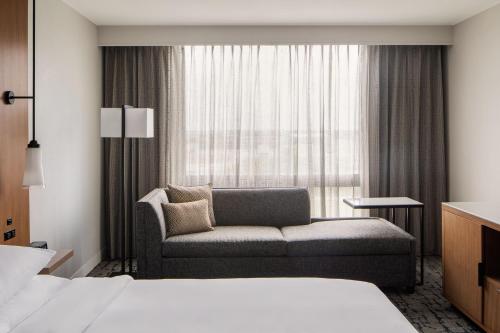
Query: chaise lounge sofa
(269, 233)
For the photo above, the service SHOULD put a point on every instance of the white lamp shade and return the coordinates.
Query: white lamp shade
(139, 123)
(33, 168)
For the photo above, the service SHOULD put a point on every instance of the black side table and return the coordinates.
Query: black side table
(393, 203)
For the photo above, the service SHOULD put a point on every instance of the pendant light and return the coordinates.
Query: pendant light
(33, 168)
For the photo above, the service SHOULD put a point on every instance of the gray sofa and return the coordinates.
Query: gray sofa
(269, 233)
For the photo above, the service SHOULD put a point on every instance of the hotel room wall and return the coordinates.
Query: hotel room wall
(474, 109)
(67, 212)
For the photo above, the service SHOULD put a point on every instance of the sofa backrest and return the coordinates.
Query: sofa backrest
(150, 232)
(261, 206)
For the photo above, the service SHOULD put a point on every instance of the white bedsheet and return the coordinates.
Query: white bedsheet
(38, 292)
(219, 306)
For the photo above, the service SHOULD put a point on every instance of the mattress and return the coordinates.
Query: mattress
(120, 304)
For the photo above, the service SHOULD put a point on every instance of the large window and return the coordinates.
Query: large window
(259, 116)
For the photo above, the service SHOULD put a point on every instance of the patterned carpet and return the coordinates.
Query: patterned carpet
(426, 309)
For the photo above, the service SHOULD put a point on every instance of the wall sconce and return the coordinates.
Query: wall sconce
(33, 168)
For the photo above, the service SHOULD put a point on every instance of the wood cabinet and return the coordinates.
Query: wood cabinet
(471, 261)
(462, 255)
(492, 305)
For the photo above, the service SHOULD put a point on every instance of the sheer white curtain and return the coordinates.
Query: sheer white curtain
(286, 115)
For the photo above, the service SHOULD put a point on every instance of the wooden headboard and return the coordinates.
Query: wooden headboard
(14, 200)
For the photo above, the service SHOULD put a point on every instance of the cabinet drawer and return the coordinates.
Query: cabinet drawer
(492, 305)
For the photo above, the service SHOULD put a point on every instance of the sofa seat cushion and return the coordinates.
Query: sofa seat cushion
(347, 237)
(227, 241)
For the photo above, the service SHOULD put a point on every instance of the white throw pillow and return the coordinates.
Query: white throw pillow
(18, 266)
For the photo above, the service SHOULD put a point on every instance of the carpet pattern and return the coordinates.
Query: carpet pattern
(426, 308)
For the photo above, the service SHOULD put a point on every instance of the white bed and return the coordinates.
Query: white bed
(31, 303)
(51, 304)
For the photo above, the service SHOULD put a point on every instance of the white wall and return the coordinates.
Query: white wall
(180, 35)
(474, 109)
(66, 213)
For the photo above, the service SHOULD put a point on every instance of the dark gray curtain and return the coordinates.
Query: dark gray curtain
(137, 76)
(407, 153)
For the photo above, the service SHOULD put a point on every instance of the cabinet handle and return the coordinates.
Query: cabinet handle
(480, 274)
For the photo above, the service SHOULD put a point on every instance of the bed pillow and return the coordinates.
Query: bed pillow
(18, 266)
(178, 194)
(187, 217)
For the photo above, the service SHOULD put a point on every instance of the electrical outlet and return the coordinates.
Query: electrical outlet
(9, 221)
(9, 234)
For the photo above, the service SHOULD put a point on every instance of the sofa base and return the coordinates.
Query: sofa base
(385, 270)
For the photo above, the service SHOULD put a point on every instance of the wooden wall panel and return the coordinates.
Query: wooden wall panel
(14, 200)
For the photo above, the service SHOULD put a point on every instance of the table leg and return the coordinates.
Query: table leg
(407, 218)
(422, 247)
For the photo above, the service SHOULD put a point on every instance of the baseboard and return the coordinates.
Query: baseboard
(88, 266)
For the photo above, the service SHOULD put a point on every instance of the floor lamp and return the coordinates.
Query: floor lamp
(124, 123)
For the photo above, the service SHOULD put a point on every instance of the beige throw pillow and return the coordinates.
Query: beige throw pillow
(178, 194)
(187, 217)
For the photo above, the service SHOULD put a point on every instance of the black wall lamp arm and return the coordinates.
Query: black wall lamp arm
(9, 97)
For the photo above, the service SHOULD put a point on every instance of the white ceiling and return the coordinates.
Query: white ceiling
(279, 12)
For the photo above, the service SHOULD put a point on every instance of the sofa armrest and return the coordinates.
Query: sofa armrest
(150, 233)
(320, 219)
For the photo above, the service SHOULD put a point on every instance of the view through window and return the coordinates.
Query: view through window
(286, 115)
